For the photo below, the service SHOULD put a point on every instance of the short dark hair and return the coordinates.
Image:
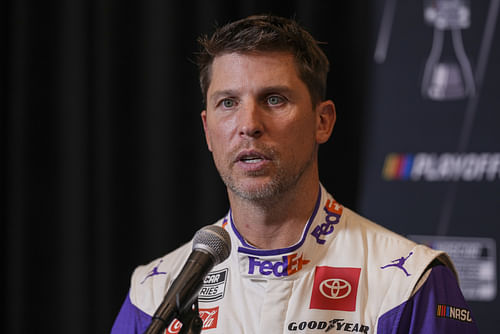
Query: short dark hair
(267, 33)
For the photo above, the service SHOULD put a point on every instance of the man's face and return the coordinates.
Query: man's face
(260, 124)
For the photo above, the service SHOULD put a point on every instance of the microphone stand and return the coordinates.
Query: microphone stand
(211, 245)
(190, 319)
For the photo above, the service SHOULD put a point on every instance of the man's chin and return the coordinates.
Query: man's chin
(256, 191)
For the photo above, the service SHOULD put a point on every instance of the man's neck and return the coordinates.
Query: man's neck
(278, 224)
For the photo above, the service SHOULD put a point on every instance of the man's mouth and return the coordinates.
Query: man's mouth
(251, 157)
(251, 160)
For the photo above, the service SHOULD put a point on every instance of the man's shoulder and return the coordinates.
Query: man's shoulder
(357, 223)
(150, 282)
(394, 264)
(383, 243)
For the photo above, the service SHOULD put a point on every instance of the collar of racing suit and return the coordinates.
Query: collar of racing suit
(289, 262)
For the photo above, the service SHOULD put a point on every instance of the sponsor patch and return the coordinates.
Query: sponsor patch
(209, 316)
(452, 312)
(214, 286)
(333, 212)
(289, 265)
(399, 263)
(337, 325)
(335, 288)
(341, 325)
(154, 272)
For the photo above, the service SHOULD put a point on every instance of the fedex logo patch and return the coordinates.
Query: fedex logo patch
(335, 288)
(333, 212)
(209, 316)
(289, 265)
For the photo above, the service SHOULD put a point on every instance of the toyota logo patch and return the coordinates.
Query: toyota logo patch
(335, 288)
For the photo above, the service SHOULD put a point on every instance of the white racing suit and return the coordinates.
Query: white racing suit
(346, 274)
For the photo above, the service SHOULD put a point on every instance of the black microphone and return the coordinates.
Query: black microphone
(211, 246)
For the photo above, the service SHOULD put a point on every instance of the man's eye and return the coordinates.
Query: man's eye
(228, 103)
(275, 100)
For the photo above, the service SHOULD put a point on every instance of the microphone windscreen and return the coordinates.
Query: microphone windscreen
(215, 240)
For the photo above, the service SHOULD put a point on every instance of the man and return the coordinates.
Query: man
(300, 261)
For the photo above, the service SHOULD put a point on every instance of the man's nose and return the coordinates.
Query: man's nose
(250, 120)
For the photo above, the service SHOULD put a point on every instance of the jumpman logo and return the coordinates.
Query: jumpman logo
(398, 263)
(154, 272)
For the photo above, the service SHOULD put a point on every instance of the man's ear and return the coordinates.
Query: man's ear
(205, 129)
(326, 117)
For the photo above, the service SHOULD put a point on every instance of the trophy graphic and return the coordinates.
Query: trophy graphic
(448, 73)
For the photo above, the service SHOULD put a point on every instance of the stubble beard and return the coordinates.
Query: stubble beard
(283, 181)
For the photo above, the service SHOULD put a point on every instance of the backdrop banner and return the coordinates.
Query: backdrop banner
(431, 160)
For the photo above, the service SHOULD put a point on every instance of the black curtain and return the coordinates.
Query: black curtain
(103, 161)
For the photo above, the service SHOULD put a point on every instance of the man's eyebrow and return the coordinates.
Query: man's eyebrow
(275, 89)
(220, 93)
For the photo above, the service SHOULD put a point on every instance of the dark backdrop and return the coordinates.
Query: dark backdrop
(103, 161)
(404, 123)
